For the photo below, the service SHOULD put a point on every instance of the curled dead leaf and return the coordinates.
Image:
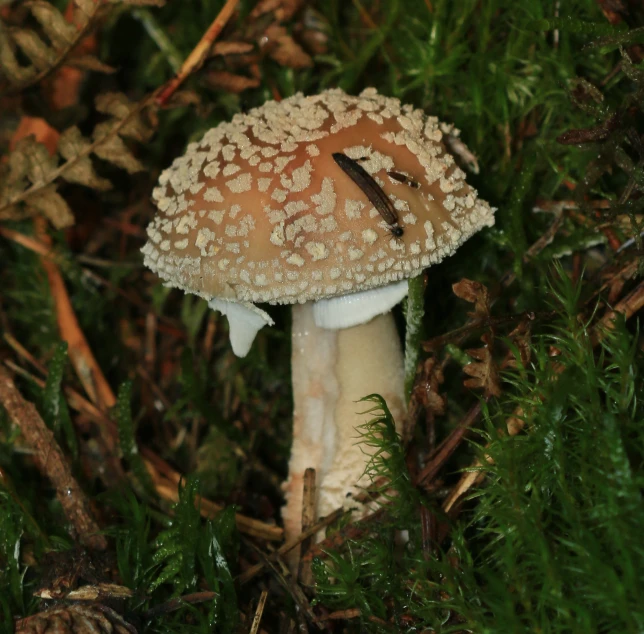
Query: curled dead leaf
(427, 388)
(52, 205)
(483, 371)
(230, 82)
(89, 62)
(75, 618)
(231, 48)
(110, 147)
(521, 339)
(475, 293)
(284, 49)
(30, 43)
(282, 9)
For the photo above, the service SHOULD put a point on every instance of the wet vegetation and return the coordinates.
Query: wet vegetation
(141, 461)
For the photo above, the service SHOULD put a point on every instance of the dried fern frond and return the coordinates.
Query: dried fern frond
(52, 45)
(284, 49)
(28, 179)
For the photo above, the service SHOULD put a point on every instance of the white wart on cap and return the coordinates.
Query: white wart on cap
(258, 211)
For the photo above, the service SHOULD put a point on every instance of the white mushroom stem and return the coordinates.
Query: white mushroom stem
(332, 370)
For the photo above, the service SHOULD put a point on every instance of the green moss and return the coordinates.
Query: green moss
(552, 540)
(549, 99)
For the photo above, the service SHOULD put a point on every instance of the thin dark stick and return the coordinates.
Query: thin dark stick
(178, 602)
(448, 446)
(305, 573)
(284, 548)
(372, 191)
(401, 178)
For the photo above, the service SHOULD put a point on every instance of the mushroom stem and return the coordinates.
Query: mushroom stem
(332, 370)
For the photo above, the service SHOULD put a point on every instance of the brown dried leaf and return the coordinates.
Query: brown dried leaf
(15, 177)
(39, 129)
(264, 6)
(475, 293)
(52, 205)
(140, 3)
(60, 32)
(111, 147)
(312, 31)
(32, 159)
(427, 388)
(76, 618)
(520, 336)
(483, 371)
(282, 9)
(13, 71)
(182, 98)
(113, 103)
(291, 7)
(71, 144)
(230, 82)
(590, 135)
(285, 50)
(11, 185)
(120, 107)
(91, 592)
(86, 9)
(40, 55)
(231, 48)
(14, 212)
(101, 591)
(89, 62)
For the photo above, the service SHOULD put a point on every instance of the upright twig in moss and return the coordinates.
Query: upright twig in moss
(279, 569)
(51, 462)
(349, 532)
(318, 526)
(257, 619)
(308, 519)
(438, 458)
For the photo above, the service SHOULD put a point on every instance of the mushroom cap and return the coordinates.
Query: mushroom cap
(258, 210)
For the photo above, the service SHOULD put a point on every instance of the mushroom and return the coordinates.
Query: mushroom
(259, 211)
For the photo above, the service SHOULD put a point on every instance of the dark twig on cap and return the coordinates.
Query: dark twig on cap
(401, 178)
(372, 191)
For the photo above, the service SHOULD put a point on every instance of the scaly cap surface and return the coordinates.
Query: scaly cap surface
(258, 211)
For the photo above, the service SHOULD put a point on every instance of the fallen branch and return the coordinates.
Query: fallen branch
(167, 482)
(51, 462)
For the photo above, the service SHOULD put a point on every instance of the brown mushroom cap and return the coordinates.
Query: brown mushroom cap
(258, 211)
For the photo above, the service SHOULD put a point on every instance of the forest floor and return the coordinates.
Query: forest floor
(141, 462)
